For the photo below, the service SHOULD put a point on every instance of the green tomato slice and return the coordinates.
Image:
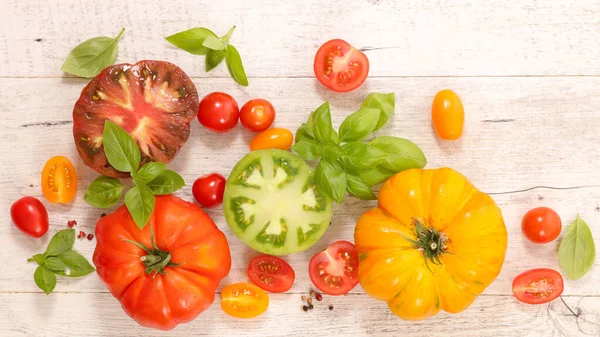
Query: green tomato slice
(272, 204)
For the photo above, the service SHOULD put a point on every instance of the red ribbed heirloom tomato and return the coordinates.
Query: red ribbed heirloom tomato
(167, 280)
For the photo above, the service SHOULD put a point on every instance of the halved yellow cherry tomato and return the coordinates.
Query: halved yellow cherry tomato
(275, 138)
(448, 115)
(59, 180)
(244, 300)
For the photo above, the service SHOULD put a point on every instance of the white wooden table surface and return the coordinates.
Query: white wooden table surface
(528, 73)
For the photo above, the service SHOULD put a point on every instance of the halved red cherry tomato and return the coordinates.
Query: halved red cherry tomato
(275, 138)
(30, 216)
(208, 190)
(448, 115)
(271, 273)
(244, 300)
(59, 180)
(537, 286)
(218, 111)
(257, 115)
(541, 225)
(340, 67)
(334, 271)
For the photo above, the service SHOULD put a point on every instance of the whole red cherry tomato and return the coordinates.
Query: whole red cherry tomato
(30, 216)
(218, 111)
(257, 114)
(208, 190)
(541, 225)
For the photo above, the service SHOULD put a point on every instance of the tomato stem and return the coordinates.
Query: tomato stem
(156, 259)
(431, 242)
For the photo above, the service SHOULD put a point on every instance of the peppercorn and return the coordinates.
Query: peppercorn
(81, 234)
(90, 236)
(305, 308)
(102, 215)
(309, 300)
(72, 223)
(310, 306)
(304, 298)
(312, 293)
(331, 307)
(318, 297)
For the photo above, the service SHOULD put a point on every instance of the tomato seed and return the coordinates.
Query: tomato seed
(305, 308)
(331, 307)
(319, 297)
(90, 236)
(72, 223)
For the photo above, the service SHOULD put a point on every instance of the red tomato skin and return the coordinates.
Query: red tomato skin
(218, 111)
(551, 276)
(257, 115)
(30, 216)
(283, 276)
(326, 57)
(541, 225)
(330, 255)
(274, 138)
(208, 190)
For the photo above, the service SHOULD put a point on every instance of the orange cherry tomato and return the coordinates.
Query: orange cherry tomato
(448, 115)
(275, 138)
(244, 300)
(59, 180)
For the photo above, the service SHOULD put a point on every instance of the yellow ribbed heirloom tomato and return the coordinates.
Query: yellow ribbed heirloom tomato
(434, 242)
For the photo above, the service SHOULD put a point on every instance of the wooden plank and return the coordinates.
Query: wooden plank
(279, 39)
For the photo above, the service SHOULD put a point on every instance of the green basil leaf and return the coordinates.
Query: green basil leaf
(39, 258)
(359, 188)
(91, 56)
(307, 149)
(402, 154)
(121, 150)
(330, 179)
(104, 192)
(60, 242)
(213, 42)
(332, 152)
(140, 204)
(362, 156)
(304, 133)
(191, 40)
(55, 264)
(235, 66)
(77, 264)
(577, 250)
(166, 183)
(213, 59)
(148, 172)
(45, 279)
(375, 175)
(359, 125)
(320, 122)
(384, 103)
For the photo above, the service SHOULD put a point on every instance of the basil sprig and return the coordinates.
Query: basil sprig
(59, 259)
(93, 55)
(151, 179)
(577, 251)
(203, 41)
(346, 162)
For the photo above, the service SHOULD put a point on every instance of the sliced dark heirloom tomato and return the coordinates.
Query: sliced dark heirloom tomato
(271, 203)
(154, 101)
(334, 270)
(340, 67)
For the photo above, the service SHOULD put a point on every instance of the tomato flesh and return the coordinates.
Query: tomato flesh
(257, 115)
(218, 111)
(244, 300)
(334, 270)
(541, 225)
(271, 273)
(448, 115)
(537, 286)
(208, 190)
(59, 180)
(275, 138)
(340, 67)
(30, 216)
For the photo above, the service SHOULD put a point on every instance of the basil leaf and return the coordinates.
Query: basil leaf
(191, 40)
(332, 152)
(121, 150)
(140, 204)
(304, 133)
(213, 59)
(148, 172)
(213, 42)
(235, 66)
(330, 179)
(166, 183)
(104, 192)
(402, 154)
(77, 264)
(384, 103)
(359, 125)
(55, 264)
(375, 175)
(45, 279)
(91, 56)
(39, 258)
(359, 188)
(307, 149)
(362, 156)
(577, 250)
(60, 242)
(320, 122)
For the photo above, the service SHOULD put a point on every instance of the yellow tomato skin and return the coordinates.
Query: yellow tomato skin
(392, 269)
(448, 115)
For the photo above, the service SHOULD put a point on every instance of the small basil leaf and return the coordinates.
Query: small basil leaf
(45, 279)
(359, 125)
(191, 40)
(39, 258)
(60, 242)
(384, 103)
(91, 56)
(307, 149)
(577, 251)
(330, 179)
(320, 122)
(104, 192)
(55, 264)
(213, 59)
(77, 264)
(121, 150)
(359, 188)
(148, 172)
(402, 154)
(375, 175)
(332, 152)
(304, 133)
(166, 183)
(213, 42)
(362, 156)
(235, 66)
(140, 204)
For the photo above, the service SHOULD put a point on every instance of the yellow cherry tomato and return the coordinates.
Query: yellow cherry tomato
(448, 115)
(275, 138)
(59, 180)
(244, 300)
